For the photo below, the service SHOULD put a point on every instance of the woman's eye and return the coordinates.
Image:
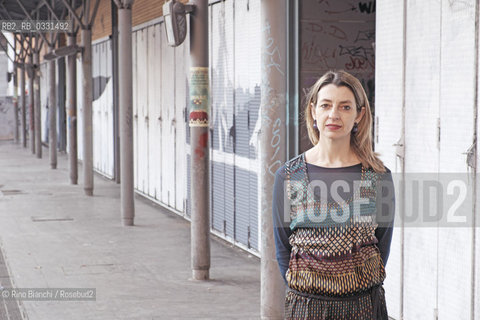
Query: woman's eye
(347, 107)
(324, 106)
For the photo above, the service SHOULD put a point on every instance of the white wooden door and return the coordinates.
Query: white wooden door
(456, 127)
(167, 123)
(154, 109)
(182, 69)
(160, 99)
(142, 111)
(79, 108)
(388, 131)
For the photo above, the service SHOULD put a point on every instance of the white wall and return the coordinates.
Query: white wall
(439, 95)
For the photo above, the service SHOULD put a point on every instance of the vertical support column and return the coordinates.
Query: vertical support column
(72, 111)
(31, 75)
(61, 106)
(272, 146)
(199, 110)
(125, 91)
(116, 107)
(38, 107)
(52, 112)
(293, 62)
(87, 111)
(15, 102)
(24, 115)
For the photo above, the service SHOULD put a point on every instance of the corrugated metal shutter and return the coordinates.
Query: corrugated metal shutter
(222, 117)
(247, 103)
(242, 181)
(217, 167)
(254, 76)
(235, 100)
(254, 188)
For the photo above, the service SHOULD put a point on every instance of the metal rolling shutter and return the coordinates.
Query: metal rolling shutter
(222, 118)
(247, 104)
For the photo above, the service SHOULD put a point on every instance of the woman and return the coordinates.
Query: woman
(333, 210)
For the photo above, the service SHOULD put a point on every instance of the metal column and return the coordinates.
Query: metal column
(24, 115)
(15, 102)
(52, 112)
(272, 146)
(72, 111)
(38, 107)
(87, 110)
(116, 107)
(31, 122)
(61, 105)
(85, 22)
(199, 111)
(125, 91)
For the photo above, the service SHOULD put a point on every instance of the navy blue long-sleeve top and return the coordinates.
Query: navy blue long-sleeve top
(385, 204)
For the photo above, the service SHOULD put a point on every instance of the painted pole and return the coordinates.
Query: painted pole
(15, 102)
(87, 111)
(38, 107)
(125, 91)
(52, 111)
(272, 146)
(23, 105)
(199, 110)
(116, 106)
(72, 111)
(31, 102)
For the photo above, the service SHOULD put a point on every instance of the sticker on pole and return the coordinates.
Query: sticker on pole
(199, 92)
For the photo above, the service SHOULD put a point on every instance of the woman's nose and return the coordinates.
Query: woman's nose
(334, 112)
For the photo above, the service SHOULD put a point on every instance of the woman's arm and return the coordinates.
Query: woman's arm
(385, 214)
(281, 229)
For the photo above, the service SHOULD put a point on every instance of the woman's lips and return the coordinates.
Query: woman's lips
(333, 127)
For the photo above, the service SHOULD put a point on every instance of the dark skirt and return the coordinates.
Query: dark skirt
(368, 305)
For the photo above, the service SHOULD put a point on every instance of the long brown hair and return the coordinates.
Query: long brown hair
(360, 142)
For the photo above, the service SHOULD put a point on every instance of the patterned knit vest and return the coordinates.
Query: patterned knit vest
(331, 256)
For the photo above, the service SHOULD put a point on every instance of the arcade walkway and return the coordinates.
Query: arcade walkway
(53, 236)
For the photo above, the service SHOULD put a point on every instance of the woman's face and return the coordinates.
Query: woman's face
(335, 111)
